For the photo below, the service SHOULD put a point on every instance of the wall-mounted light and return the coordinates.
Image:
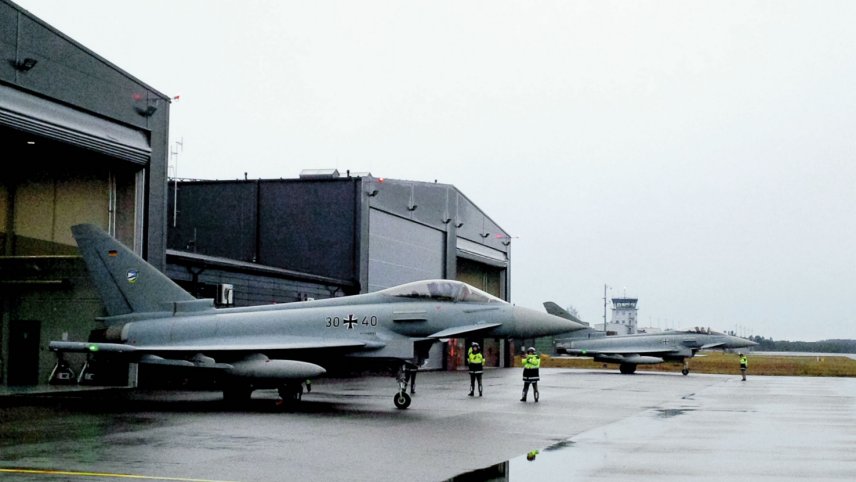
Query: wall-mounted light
(412, 207)
(25, 65)
(484, 235)
(372, 192)
(148, 111)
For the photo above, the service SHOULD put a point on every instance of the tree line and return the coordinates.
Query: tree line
(823, 346)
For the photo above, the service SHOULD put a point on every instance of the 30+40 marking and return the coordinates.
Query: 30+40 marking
(350, 321)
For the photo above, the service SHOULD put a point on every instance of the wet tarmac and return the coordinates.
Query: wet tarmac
(588, 425)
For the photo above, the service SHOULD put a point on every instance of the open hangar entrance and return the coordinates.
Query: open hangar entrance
(46, 294)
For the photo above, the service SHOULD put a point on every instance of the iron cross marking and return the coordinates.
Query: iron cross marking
(350, 321)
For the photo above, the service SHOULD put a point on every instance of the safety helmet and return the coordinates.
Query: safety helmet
(475, 345)
(531, 349)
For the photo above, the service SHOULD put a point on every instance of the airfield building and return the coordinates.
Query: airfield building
(86, 142)
(324, 234)
(624, 316)
(83, 141)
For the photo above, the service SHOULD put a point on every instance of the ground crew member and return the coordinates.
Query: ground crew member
(475, 361)
(531, 365)
(744, 365)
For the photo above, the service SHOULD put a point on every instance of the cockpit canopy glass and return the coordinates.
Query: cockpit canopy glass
(704, 331)
(442, 290)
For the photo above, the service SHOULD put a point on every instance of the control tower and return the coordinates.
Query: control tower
(624, 316)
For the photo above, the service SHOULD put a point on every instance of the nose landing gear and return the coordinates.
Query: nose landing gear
(402, 399)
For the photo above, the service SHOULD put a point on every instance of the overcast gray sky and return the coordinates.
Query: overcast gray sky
(698, 155)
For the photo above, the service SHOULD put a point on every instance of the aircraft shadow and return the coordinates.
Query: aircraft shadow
(137, 400)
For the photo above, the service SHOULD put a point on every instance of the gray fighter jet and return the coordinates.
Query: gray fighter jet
(650, 348)
(151, 320)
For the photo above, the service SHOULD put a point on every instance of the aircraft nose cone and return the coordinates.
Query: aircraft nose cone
(536, 323)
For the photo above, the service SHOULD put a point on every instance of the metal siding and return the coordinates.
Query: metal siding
(392, 196)
(8, 41)
(253, 289)
(214, 218)
(309, 226)
(401, 251)
(431, 203)
(69, 72)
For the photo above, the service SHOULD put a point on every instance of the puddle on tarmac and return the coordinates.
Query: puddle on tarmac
(537, 465)
(563, 457)
(671, 412)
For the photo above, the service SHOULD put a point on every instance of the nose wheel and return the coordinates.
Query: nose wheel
(401, 400)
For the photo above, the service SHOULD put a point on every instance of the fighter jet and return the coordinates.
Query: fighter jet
(152, 320)
(650, 348)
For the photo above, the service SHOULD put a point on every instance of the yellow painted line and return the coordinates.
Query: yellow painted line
(99, 474)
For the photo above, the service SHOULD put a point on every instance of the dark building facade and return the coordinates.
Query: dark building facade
(83, 141)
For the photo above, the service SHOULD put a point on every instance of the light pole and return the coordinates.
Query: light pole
(605, 287)
(177, 147)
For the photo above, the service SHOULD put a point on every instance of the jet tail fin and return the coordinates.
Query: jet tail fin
(557, 310)
(126, 282)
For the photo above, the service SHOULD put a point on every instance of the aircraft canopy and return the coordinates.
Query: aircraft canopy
(442, 290)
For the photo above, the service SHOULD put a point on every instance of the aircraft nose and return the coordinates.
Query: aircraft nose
(738, 342)
(534, 323)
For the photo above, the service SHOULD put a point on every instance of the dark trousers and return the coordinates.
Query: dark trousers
(534, 389)
(411, 378)
(473, 378)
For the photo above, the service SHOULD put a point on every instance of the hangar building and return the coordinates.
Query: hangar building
(83, 141)
(250, 242)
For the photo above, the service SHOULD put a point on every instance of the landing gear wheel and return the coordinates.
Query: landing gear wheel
(627, 368)
(401, 400)
(685, 371)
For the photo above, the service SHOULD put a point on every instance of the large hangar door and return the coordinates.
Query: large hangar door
(482, 276)
(44, 118)
(401, 251)
(481, 266)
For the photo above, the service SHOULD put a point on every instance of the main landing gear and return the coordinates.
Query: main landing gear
(291, 392)
(402, 399)
(686, 369)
